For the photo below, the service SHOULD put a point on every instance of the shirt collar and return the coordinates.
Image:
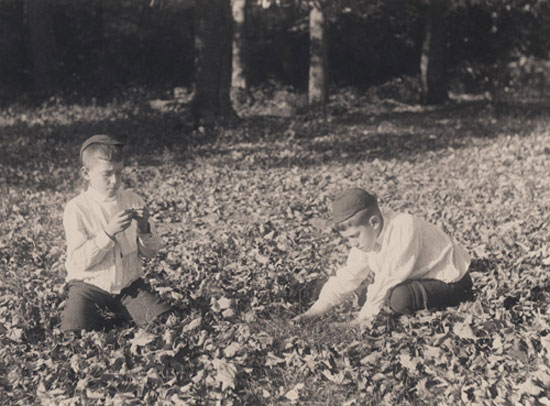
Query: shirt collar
(387, 217)
(99, 197)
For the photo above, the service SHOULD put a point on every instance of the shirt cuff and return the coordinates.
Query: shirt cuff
(104, 242)
(321, 306)
(367, 313)
(144, 233)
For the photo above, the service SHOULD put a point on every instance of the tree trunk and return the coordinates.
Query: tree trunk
(211, 101)
(317, 90)
(433, 61)
(238, 78)
(42, 44)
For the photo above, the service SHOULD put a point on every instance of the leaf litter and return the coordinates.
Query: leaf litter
(247, 245)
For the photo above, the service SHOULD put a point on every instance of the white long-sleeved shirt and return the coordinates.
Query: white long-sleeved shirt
(407, 248)
(92, 256)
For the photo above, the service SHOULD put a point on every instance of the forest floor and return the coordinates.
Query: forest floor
(242, 212)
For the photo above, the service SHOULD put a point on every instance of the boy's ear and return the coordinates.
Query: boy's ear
(85, 173)
(374, 222)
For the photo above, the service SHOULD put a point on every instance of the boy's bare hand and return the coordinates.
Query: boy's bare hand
(362, 325)
(304, 317)
(297, 319)
(342, 325)
(142, 217)
(120, 222)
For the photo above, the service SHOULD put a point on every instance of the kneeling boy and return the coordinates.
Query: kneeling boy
(415, 265)
(107, 229)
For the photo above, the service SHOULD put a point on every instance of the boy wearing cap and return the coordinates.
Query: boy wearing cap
(107, 227)
(415, 265)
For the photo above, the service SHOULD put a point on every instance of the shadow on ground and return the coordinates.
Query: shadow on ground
(31, 151)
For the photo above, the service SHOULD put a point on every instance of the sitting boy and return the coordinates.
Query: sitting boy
(106, 228)
(415, 265)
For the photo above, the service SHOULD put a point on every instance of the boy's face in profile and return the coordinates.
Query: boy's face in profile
(104, 176)
(361, 232)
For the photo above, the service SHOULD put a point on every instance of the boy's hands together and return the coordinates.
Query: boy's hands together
(120, 222)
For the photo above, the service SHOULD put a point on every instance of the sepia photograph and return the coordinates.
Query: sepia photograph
(275, 202)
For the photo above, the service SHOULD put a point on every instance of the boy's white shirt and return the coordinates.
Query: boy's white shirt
(407, 248)
(92, 256)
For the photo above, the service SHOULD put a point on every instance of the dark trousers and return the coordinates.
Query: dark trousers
(418, 294)
(86, 305)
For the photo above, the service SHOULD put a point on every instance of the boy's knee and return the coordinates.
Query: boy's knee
(401, 300)
(80, 315)
(408, 297)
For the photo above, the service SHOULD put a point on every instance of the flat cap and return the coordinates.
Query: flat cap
(99, 138)
(349, 203)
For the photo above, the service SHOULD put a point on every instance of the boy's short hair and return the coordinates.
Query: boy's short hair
(351, 202)
(101, 146)
(361, 217)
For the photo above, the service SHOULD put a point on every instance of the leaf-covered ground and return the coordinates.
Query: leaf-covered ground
(242, 212)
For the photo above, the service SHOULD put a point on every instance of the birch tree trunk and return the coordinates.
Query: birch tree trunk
(317, 89)
(238, 78)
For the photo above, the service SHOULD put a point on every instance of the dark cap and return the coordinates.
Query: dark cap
(99, 138)
(349, 203)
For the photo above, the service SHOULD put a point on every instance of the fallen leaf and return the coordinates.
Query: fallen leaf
(294, 393)
(192, 325)
(262, 259)
(530, 388)
(464, 330)
(226, 373)
(272, 360)
(431, 352)
(94, 394)
(319, 223)
(519, 355)
(409, 363)
(336, 378)
(372, 358)
(141, 339)
(16, 334)
(232, 349)
(225, 303)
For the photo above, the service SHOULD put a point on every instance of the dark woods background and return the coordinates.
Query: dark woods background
(99, 48)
